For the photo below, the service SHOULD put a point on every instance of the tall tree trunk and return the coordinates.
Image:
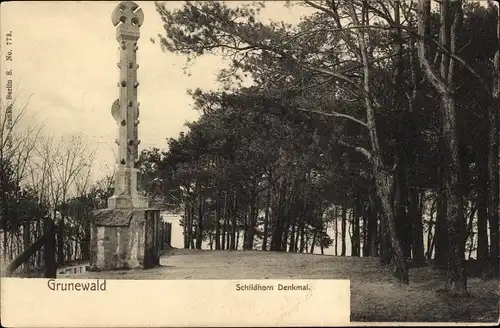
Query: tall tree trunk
(286, 223)
(60, 241)
(493, 162)
(430, 234)
(414, 208)
(431, 247)
(68, 251)
(191, 224)
(297, 237)
(302, 225)
(39, 232)
(400, 196)
(276, 240)
(355, 241)
(5, 245)
(365, 247)
(385, 252)
(412, 132)
(300, 218)
(234, 214)
(343, 230)
(456, 279)
(384, 181)
(250, 228)
(247, 228)
(226, 220)
(417, 228)
(404, 153)
(291, 248)
(496, 85)
(336, 229)
(237, 240)
(470, 229)
(456, 282)
(254, 217)
(11, 246)
(302, 235)
(217, 222)
(441, 234)
(286, 234)
(293, 224)
(372, 228)
(186, 224)
(482, 212)
(308, 237)
(313, 241)
(266, 215)
(199, 228)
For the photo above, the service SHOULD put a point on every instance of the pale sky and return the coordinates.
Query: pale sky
(65, 55)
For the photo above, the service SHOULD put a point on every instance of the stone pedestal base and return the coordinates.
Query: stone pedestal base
(124, 239)
(126, 201)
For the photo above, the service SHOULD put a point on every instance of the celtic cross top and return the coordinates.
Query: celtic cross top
(130, 18)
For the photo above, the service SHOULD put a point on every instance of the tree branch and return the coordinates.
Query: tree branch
(335, 114)
(358, 149)
(423, 22)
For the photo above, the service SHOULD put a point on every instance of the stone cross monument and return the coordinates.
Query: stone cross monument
(127, 234)
(125, 110)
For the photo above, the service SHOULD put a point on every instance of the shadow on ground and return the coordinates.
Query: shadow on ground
(375, 294)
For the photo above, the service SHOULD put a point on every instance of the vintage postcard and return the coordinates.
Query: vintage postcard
(249, 163)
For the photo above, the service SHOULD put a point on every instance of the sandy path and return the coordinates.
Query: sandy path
(375, 295)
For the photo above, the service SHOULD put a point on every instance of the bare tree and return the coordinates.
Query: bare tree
(62, 161)
(17, 142)
(83, 183)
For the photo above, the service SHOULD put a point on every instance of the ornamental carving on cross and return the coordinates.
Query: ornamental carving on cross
(130, 18)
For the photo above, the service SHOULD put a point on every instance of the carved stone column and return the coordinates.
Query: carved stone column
(127, 18)
(126, 234)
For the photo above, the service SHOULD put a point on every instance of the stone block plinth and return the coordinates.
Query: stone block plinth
(125, 239)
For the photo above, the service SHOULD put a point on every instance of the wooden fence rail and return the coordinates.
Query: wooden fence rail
(48, 242)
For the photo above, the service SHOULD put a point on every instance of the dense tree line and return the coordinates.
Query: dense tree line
(377, 115)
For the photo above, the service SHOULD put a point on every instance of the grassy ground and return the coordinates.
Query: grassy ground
(375, 295)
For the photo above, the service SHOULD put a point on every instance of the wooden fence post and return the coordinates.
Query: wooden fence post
(158, 239)
(49, 249)
(162, 235)
(165, 235)
(168, 234)
(151, 246)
